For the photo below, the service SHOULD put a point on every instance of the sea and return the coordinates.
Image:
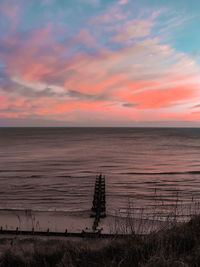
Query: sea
(54, 169)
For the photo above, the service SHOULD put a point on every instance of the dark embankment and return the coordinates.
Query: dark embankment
(179, 246)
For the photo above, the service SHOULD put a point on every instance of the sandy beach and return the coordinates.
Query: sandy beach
(58, 221)
(41, 221)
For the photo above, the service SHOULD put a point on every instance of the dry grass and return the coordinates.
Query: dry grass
(179, 246)
(175, 242)
(163, 214)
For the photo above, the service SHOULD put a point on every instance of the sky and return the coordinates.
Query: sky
(100, 63)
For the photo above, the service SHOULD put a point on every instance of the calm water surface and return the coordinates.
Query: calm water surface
(55, 168)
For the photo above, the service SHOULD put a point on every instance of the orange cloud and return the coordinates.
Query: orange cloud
(193, 116)
(158, 98)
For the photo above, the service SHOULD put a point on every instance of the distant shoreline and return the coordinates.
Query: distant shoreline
(103, 127)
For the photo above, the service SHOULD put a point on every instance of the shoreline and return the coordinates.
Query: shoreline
(59, 222)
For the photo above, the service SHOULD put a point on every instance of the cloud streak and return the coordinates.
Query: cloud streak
(124, 71)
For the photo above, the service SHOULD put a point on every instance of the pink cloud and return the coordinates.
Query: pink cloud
(193, 116)
(12, 115)
(146, 80)
(13, 103)
(3, 102)
(41, 36)
(11, 107)
(153, 99)
(10, 11)
(112, 15)
(106, 75)
(123, 2)
(84, 37)
(135, 29)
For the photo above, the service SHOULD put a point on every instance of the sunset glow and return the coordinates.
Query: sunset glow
(99, 63)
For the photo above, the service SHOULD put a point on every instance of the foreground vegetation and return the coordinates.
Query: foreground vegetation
(175, 247)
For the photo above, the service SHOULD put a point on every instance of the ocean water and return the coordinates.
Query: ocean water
(54, 169)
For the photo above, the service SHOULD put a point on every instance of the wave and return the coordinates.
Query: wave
(29, 211)
(161, 173)
(64, 176)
